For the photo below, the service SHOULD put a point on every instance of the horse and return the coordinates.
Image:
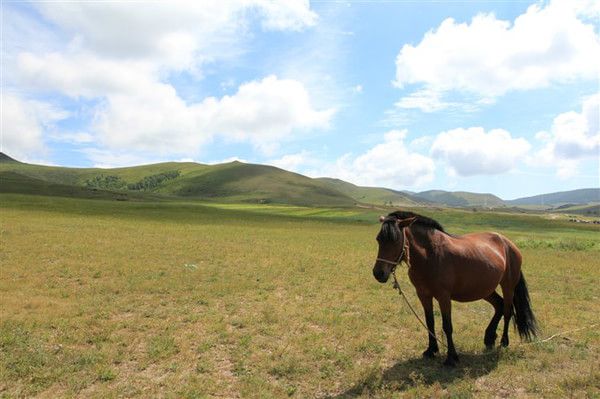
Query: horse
(461, 268)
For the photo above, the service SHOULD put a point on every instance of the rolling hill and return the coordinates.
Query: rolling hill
(374, 195)
(581, 196)
(233, 181)
(243, 182)
(460, 198)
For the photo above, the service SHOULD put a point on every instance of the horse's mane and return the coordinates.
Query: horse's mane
(390, 231)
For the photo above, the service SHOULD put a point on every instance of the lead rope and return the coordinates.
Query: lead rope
(397, 286)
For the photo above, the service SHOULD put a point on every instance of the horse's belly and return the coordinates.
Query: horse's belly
(486, 279)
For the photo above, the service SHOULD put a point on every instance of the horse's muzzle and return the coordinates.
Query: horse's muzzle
(380, 274)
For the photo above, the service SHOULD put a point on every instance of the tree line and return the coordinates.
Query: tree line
(111, 182)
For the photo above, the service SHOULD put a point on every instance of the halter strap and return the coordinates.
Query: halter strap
(402, 255)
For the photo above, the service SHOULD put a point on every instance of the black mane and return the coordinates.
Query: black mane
(391, 232)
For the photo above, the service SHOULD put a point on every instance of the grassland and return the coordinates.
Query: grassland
(186, 299)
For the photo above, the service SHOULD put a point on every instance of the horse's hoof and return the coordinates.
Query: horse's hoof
(504, 342)
(489, 347)
(490, 341)
(429, 354)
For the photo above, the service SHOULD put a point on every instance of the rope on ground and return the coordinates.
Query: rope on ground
(563, 333)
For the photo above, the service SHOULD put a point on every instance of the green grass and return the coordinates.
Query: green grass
(186, 299)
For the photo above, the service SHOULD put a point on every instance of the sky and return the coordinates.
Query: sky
(500, 97)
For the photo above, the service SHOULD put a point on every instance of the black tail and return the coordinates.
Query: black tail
(524, 318)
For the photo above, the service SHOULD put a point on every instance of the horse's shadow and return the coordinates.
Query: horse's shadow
(419, 371)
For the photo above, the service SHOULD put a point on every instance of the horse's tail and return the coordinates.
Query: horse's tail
(524, 317)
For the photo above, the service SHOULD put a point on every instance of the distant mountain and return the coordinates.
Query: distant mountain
(460, 198)
(373, 195)
(581, 196)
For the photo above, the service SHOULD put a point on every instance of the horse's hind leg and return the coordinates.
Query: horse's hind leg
(432, 348)
(508, 293)
(490, 332)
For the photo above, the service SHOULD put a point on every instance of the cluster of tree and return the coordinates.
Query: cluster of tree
(153, 181)
(109, 182)
(106, 182)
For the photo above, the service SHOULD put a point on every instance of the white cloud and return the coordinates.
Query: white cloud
(389, 164)
(141, 113)
(72, 137)
(284, 15)
(295, 162)
(489, 57)
(427, 100)
(472, 151)
(23, 123)
(264, 111)
(121, 55)
(179, 34)
(573, 136)
(421, 142)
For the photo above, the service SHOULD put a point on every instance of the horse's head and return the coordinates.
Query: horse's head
(391, 246)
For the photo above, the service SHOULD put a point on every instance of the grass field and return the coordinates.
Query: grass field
(184, 299)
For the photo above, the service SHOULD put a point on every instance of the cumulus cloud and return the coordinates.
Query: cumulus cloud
(141, 113)
(295, 162)
(388, 164)
(489, 57)
(120, 57)
(573, 137)
(264, 111)
(23, 123)
(472, 151)
(176, 34)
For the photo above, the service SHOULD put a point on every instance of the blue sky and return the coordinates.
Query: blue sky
(497, 97)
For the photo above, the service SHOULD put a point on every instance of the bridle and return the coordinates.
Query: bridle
(402, 255)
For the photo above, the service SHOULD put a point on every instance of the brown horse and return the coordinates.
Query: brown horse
(461, 268)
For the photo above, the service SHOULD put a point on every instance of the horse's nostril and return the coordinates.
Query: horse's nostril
(378, 274)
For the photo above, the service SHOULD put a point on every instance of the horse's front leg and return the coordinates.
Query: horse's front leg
(446, 309)
(427, 302)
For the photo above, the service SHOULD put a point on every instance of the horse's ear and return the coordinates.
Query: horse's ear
(381, 219)
(406, 222)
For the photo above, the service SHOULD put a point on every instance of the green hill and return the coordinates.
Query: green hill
(373, 195)
(581, 196)
(242, 182)
(460, 198)
(233, 181)
(238, 181)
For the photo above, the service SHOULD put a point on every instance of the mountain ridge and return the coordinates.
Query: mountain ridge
(247, 182)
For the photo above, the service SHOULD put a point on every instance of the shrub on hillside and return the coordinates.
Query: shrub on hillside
(106, 182)
(153, 181)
